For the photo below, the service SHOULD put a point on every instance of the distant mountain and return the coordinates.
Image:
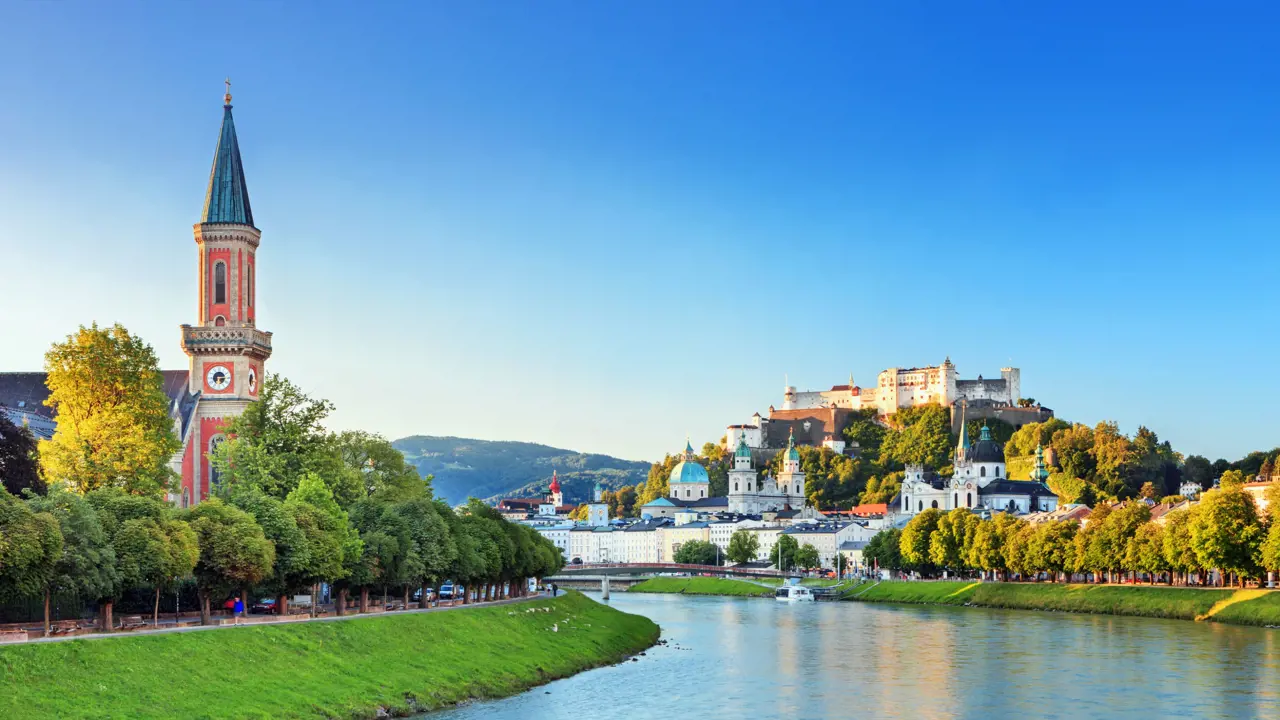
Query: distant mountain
(491, 469)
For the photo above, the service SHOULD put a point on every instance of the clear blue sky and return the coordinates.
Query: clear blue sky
(608, 225)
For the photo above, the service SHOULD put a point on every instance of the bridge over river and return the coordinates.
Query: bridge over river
(602, 576)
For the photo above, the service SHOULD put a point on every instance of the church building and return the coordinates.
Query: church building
(226, 351)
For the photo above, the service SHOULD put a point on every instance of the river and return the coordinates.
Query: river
(748, 659)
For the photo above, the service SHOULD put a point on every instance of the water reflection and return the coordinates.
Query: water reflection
(745, 658)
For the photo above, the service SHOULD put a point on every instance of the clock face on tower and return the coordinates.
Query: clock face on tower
(218, 377)
(253, 379)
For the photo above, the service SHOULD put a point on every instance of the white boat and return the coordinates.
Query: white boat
(793, 593)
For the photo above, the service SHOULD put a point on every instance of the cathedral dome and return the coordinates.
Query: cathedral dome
(986, 450)
(689, 471)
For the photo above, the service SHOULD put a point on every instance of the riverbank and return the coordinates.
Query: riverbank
(701, 586)
(1238, 607)
(399, 663)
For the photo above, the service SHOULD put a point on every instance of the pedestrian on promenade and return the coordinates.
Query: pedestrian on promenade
(238, 610)
(554, 589)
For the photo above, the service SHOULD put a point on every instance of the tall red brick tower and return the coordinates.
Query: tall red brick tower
(227, 351)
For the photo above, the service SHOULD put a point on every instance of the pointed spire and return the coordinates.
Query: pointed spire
(227, 199)
(962, 447)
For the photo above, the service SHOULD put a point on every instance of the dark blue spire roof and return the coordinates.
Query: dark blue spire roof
(227, 200)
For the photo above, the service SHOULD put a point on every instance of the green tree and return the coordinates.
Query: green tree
(883, 550)
(1197, 469)
(114, 428)
(154, 553)
(1052, 547)
(951, 541)
(382, 469)
(1145, 551)
(31, 544)
(233, 551)
(882, 488)
(921, 435)
(1018, 552)
(1231, 480)
(279, 439)
(1179, 554)
(1226, 532)
(917, 537)
(292, 569)
(783, 555)
(19, 460)
(744, 546)
(698, 552)
(1026, 439)
(807, 557)
(865, 432)
(87, 564)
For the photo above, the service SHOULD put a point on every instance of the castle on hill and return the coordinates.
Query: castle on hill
(818, 417)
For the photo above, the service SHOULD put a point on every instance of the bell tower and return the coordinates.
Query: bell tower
(226, 349)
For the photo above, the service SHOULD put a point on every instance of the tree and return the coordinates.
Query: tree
(114, 428)
(383, 471)
(1226, 532)
(698, 552)
(292, 568)
(1179, 555)
(783, 555)
(1017, 552)
(917, 536)
(744, 546)
(87, 564)
(951, 540)
(866, 433)
(233, 550)
(626, 501)
(921, 435)
(30, 546)
(153, 553)
(1052, 547)
(19, 463)
(280, 438)
(1027, 438)
(1145, 552)
(807, 557)
(329, 536)
(882, 489)
(883, 551)
(1197, 469)
(1231, 479)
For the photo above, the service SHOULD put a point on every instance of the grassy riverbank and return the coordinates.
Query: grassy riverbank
(1240, 607)
(350, 668)
(701, 586)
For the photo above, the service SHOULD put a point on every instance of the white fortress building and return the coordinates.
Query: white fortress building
(898, 388)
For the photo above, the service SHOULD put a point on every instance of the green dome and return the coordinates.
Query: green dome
(743, 451)
(689, 472)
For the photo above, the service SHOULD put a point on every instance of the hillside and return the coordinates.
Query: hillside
(488, 469)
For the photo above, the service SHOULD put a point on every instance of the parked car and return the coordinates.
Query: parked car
(265, 606)
(417, 595)
(446, 591)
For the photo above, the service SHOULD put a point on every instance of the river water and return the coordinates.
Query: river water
(750, 658)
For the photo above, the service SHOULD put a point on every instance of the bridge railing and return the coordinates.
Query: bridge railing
(684, 567)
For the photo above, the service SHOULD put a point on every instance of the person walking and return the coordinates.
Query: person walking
(238, 609)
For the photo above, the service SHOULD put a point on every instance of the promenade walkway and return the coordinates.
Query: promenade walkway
(292, 620)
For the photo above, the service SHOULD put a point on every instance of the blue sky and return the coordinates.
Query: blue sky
(608, 225)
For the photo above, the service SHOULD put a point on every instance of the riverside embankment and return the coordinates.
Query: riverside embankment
(397, 664)
(1237, 607)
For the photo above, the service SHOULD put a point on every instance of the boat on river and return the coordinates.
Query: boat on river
(793, 593)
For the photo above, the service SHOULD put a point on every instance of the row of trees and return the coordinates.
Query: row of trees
(1223, 532)
(744, 547)
(295, 505)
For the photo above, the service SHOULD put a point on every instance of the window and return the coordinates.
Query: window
(735, 487)
(935, 504)
(248, 274)
(968, 499)
(219, 321)
(919, 505)
(219, 283)
(955, 500)
(982, 471)
(997, 471)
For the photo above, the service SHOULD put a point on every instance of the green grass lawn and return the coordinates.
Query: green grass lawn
(1163, 602)
(346, 668)
(701, 586)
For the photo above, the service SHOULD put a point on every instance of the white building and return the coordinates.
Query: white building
(721, 531)
(827, 537)
(558, 535)
(749, 495)
(642, 541)
(980, 481)
(898, 388)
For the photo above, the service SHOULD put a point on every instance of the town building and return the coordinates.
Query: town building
(828, 537)
(227, 352)
(980, 481)
(673, 537)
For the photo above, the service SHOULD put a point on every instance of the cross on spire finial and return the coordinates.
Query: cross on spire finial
(227, 98)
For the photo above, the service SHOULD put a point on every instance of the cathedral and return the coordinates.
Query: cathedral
(751, 496)
(980, 481)
(226, 351)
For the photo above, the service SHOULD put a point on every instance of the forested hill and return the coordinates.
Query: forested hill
(488, 469)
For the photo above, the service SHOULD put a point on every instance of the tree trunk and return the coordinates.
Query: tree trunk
(282, 604)
(424, 601)
(155, 615)
(104, 616)
(47, 593)
(406, 597)
(364, 599)
(315, 599)
(341, 607)
(206, 617)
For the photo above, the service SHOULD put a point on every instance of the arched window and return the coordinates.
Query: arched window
(735, 487)
(955, 500)
(935, 505)
(982, 471)
(702, 493)
(997, 471)
(219, 283)
(219, 321)
(919, 505)
(686, 492)
(968, 499)
(248, 274)
(214, 442)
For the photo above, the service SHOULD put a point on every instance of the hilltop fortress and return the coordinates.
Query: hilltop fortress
(817, 417)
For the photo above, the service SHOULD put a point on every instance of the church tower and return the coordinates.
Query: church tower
(791, 479)
(743, 497)
(227, 351)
